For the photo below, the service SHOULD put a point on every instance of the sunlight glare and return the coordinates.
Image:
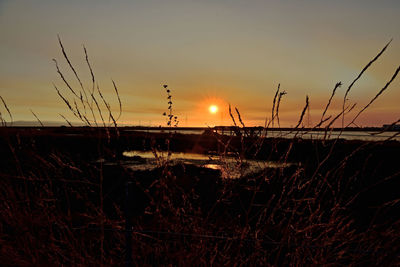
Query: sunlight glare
(213, 109)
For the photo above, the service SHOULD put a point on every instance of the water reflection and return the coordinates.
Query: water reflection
(230, 167)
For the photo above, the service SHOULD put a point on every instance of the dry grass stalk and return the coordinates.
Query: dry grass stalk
(64, 79)
(2, 121)
(376, 96)
(119, 101)
(273, 104)
(281, 94)
(302, 113)
(232, 117)
(359, 76)
(37, 118)
(387, 128)
(268, 218)
(240, 118)
(66, 120)
(172, 120)
(90, 69)
(81, 99)
(71, 66)
(337, 86)
(347, 110)
(8, 110)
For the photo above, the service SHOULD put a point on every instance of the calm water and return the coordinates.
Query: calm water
(348, 135)
(230, 167)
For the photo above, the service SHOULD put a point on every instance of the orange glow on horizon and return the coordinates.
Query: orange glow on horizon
(211, 110)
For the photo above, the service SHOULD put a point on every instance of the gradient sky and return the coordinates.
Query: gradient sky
(207, 51)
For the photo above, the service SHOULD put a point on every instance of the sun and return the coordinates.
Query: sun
(213, 109)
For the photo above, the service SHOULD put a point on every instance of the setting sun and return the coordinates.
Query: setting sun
(213, 109)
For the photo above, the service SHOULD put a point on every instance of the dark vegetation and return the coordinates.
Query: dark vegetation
(68, 198)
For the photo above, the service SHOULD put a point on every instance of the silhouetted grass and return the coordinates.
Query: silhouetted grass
(63, 196)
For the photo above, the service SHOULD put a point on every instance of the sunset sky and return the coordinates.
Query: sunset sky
(209, 52)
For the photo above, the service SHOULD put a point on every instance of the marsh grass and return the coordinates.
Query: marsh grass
(60, 208)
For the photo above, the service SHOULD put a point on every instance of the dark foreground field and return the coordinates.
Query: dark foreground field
(69, 198)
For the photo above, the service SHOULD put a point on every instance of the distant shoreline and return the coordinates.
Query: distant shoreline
(218, 128)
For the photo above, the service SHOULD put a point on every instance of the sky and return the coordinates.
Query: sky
(209, 52)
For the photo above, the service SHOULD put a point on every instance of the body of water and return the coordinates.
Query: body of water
(317, 135)
(230, 167)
